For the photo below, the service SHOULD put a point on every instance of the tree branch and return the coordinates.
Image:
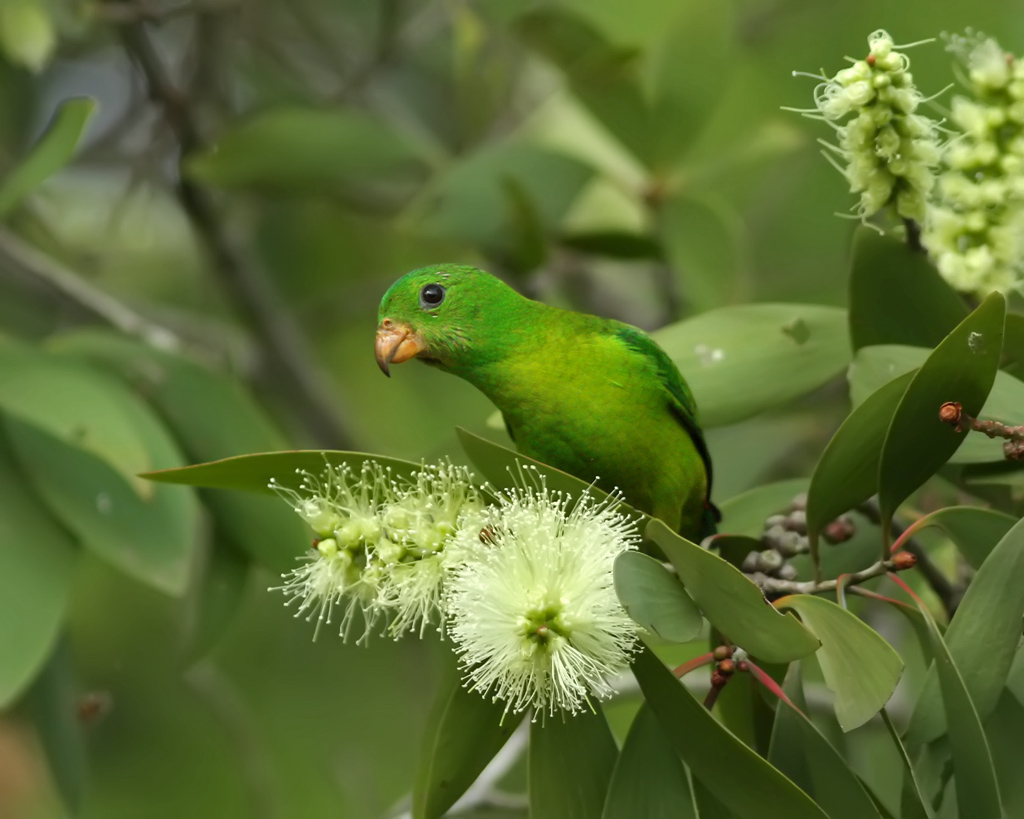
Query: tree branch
(776, 585)
(32, 262)
(944, 589)
(282, 349)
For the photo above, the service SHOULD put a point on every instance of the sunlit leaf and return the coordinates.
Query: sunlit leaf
(743, 360)
(733, 604)
(859, 667)
(655, 599)
(962, 368)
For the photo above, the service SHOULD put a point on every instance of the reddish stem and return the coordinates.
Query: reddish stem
(695, 663)
(766, 680)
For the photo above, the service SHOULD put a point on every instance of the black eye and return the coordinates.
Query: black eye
(431, 295)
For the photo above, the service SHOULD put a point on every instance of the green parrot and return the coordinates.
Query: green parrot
(594, 397)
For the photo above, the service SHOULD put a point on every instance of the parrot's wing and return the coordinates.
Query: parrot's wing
(680, 399)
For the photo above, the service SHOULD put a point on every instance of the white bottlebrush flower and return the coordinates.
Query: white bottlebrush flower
(417, 527)
(531, 601)
(887, 150)
(975, 228)
(343, 509)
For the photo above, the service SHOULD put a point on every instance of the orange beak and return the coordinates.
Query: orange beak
(396, 342)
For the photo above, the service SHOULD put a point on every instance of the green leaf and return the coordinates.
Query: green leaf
(52, 152)
(649, 780)
(982, 637)
(923, 803)
(503, 467)
(570, 764)
(215, 599)
(733, 604)
(744, 782)
(604, 77)
(703, 239)
(53, 705)
(859, 667)
(655, 598)
(745, 514)
(743, 360)
(464, 732)
(28, 35)
(847, 472)
(974, 530)
(832, 783)
(152, 539)
(897, 296)
(79, 406)
(470, 201)
(253, 473)
(700, 44)
(527, 246)
(306, 149)
(874, 366)
(976, 787)
(962, 368)
(37, 561)
(212, 417)
(615, 244)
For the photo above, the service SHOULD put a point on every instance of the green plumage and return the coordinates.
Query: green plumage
(594, 397)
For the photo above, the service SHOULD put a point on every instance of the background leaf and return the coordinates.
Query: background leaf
(743, 360)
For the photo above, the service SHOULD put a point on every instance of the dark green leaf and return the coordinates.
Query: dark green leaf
(974, 530)
(921, 802)
(614, 244)
(303, 149)
(37, 561)
(571, 763)
(847, 472)
(962, 368)
(859, 667)
(212, 417)
(253, 473)
(464, 732)
(977, 790)
(1013, 345)
(215, 598)
(740, 779)
(649, 780)
(745, 514)
(52, 152)
(982, 637)
(874, 366)
(743, 360)
(655, 598)
(897, 296)
(53, 705)
(833, 784)
(527, 245)
(733, 604)
(152, 539)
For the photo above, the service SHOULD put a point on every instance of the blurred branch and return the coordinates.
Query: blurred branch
(776, 585)
(283, 351)
(31, 261)
(944, 589)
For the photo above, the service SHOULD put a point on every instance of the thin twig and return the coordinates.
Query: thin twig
(30, 261)
(282, 347)
(776, 585)
(949, 593)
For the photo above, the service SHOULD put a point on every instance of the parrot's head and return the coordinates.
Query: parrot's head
(451, 316)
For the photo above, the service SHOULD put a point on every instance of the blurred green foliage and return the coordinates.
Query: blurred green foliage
(202, 280)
